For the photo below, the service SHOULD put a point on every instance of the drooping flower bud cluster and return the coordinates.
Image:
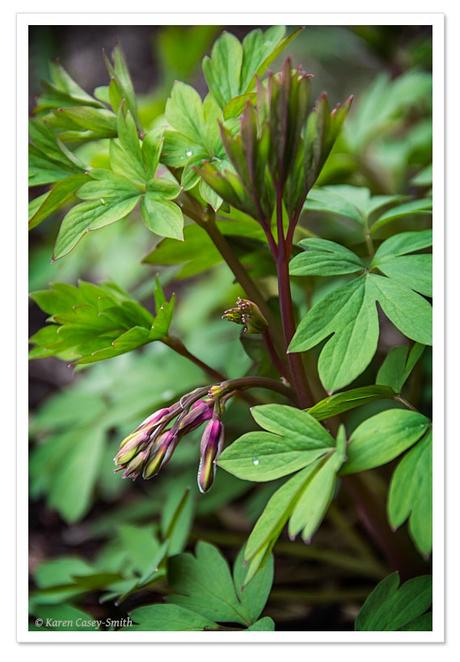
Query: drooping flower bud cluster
(150, 447)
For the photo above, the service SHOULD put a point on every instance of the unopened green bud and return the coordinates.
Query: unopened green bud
(248, 314)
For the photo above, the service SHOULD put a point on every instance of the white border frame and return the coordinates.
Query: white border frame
(437, 23)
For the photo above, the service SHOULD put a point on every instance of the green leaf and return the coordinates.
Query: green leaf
(55, 580)
(413, 208)
(121, 85)
(135, 161)
(168, 618)
(409, 312)
(356, 204)
(232, 69)
(273, 519)
(195, 139)
(422, 623)
(258, 46)
(203, 584)
(253, 595)
(397, 366)
(424, 177)
(196, 253)
(179, 151)
(293, 440)
(83, 123)
(403, 243)
(60, 194)
(49, 160)
(88, 216)
(63, 91)
(355, 397)
(304, 498)
(391, 607)
(385, 103)
(223, 69)
(349, 313)
(94, 322)
(410, 495)
(184, 112)
(176, 520)
(413, 271)
(348, 201)
(314, 500)
(70, 498)
(324, 258)
(265, 624)
(383, 437)
(139, 544)
(162, 217)
(60, 571)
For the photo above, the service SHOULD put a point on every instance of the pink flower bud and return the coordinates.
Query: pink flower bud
(161, 453)
(160, 416)
(210, 447)
(131, 445)
(199, 412)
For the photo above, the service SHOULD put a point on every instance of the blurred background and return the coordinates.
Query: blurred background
(85, 520)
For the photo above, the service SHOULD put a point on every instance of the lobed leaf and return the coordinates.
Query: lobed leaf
(355, 397)
(391, 607)
(293, 440)
(410, 494)
(322, 257)
(383, 437)
(397, 366)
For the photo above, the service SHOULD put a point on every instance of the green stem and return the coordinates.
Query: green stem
(405, 402)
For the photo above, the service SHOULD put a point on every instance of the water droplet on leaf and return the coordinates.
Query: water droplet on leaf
(255, 461)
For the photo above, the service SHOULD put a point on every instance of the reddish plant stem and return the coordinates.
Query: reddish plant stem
(257, 382)
(240, 273)
(178, 346)
(298, 377)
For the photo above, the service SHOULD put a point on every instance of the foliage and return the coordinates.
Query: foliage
(315, 218)
(349, 311)
(96, 322)
(394, 607)
(205, 591)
